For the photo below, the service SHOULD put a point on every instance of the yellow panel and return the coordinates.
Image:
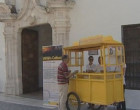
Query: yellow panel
(110, 92)
(118, 90)
(72, 85)
(83, 90)
(98, 92)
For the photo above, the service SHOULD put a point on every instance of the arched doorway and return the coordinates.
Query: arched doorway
(32, 14)
(32, 40)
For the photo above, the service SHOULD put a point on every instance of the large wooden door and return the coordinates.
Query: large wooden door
(131, 40)
(30, 74)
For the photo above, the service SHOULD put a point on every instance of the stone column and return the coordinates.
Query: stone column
(12, 79)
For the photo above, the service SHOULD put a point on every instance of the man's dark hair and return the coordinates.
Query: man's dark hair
(64, 57)
(90, 57)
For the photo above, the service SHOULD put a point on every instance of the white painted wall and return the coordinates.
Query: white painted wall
(96, 17)
(2, 1)
(105, 17)
(2, 59)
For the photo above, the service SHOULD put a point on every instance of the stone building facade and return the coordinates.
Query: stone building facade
(54, 12)
(69, 21)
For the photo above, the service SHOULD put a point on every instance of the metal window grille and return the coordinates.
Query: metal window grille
(131, 40)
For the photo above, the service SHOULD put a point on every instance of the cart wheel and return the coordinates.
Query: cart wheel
(73, 101)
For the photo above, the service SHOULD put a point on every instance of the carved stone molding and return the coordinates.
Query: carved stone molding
(4, 9)
(32, 19)
(5, 13)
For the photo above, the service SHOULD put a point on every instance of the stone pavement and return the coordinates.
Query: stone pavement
(19, 103)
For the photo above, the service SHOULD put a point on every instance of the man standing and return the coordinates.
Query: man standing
(63, 78)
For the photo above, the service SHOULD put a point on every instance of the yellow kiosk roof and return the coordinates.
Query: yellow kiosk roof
(94, 41)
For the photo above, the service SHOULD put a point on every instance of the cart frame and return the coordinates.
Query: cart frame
(102, 88)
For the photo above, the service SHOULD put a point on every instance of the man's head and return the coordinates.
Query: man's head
(90, 58)
(99, 59)
(65, 58)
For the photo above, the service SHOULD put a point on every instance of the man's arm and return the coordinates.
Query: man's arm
(71, 74)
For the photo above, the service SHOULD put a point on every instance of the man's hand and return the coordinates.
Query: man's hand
(76, 71)
(72, 74)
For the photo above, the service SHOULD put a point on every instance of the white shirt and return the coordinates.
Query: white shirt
(90, 67)
(99, 68)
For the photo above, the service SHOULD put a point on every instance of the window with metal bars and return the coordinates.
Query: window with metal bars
(131, 40)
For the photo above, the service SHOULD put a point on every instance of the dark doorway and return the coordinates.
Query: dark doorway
(131, 40)
(32, 40)
(30, 60)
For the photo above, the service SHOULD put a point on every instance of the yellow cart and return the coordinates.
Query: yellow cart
(99, 88)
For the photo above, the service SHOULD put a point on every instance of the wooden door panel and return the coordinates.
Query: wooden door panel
(29, 60)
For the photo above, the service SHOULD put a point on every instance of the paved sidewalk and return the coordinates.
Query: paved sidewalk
(8, 102)
(12, 106)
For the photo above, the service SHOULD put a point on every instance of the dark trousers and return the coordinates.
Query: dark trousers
(122, 105)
